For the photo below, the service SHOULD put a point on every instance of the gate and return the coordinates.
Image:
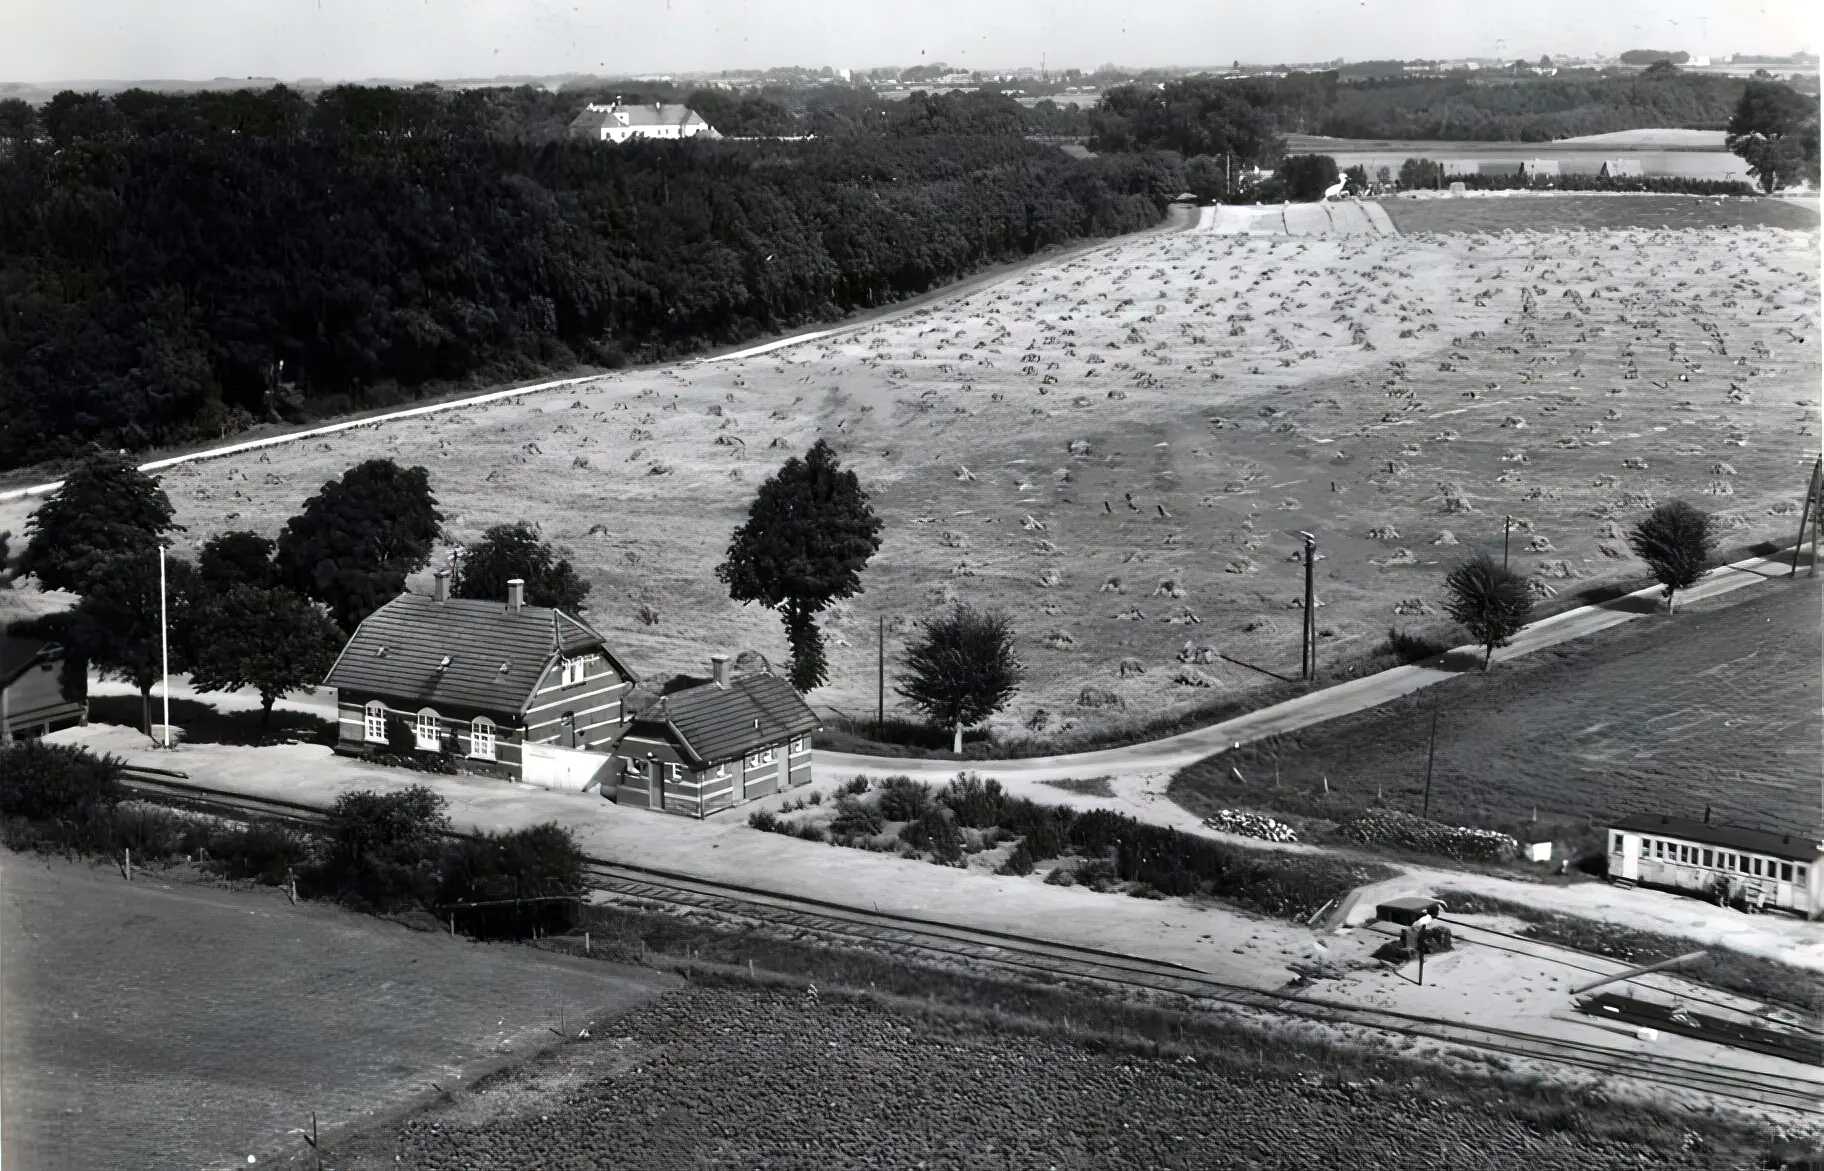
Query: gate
(565, 770)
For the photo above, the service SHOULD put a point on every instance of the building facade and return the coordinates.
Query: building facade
(41, 688)
(480, 681)
(615, 122)
(716, 745)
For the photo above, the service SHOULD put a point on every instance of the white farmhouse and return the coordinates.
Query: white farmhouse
(616, 122)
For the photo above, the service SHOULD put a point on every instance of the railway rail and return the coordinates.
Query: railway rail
(1037, 957)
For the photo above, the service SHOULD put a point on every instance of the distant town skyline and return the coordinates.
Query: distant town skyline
(45, 41)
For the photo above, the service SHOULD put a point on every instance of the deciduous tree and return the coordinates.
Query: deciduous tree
(1489, 600)
(268, 639)
(961, 669)
(809, 533)
(509, 551)
(116, 625)
(1676, 541)
(106, 507)
(1775, 131)
(236, 558)
(356, 540)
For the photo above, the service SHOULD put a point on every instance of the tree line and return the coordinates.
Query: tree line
(179, 267)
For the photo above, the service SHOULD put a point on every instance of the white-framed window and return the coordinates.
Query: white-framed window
(373, 722)
(633, 766)
(721, 772)
(481, 738)
(577, 669)
(798, 746)
(767, 756)
(430, 735)
(674, 772)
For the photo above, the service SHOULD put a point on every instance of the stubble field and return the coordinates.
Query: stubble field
(1118, 449)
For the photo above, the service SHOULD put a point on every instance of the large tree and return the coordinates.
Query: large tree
(1489, 600)
(1676, 541)
(1775, 131)
(961, 669)
(509, 551)
(356, 540)
(106, 507)
(116, 625)
(1306, 177)
(809, 533)
(236, 558)
(269, 639)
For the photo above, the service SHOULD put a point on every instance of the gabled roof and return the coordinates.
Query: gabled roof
(1797, 847)
(593, 117)
(495, 655)
(18, 654)
(715, 724)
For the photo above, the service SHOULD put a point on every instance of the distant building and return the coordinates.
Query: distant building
(1622, 168)
(616, 122)
(40, 689)
(1460, 167)
(1540, 168)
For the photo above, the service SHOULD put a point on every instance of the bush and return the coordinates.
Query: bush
(903, 799)
(854, 788)
(810, 832)
(383, 848)
(976, 803)
(56, 782)
(766, 821)
(261, 851)
(854, 819)
(936, 831)
(1390, 827)
(541, 863)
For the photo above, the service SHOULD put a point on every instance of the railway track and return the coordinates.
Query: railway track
(1053, 960)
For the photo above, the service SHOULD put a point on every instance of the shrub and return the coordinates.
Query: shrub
(810, 832)
(854, 788)
(903, 799)
(261, 851)
(854, 820)
(936, 831)
(383, 848)
(56, 782)
(765, 821)
(541, 863)
(976, 803)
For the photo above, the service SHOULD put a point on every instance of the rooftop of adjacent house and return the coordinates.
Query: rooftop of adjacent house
(461, 652)
(719, 723)
(18, 653)
(1797, 847)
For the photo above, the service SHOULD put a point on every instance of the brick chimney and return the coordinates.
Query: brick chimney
(516, 594)
(440, 587)
(718, 667)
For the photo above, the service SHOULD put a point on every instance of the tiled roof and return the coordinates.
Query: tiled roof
(17, 653)
(723, 723)
(495, 655)
(594, 117)
(1798, 847)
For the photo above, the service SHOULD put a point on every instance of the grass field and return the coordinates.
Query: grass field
(171, 1024)
(1570, 213)
(1719, 706)
(1119, 448)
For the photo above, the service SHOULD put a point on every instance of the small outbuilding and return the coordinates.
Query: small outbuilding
(41, 688)
(1622, 169)
(1540, 168)
(717, 744)
(1408, 909)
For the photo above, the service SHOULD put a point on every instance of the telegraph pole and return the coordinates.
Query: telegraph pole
(880, 680)
(1308, 657)
(1507, 526)
(1430, 755)
(164, 646)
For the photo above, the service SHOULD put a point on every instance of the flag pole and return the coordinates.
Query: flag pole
(164, 646)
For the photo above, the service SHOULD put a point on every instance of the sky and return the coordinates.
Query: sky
(54, 40)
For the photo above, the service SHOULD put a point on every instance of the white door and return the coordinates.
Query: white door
(1630, 856)
(566, 769)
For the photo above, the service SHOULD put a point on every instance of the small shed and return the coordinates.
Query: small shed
(41, 688)
(1622, 169)
(1408, 909)
(1540, 168)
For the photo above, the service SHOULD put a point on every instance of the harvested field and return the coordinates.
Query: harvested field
(1524, 211)
(174, 1024)
(1118, 449)
(1718, 706)
(775, 1079)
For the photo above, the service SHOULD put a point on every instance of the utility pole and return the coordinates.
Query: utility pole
(1507, 526)
(880, 680)
(1805, 517)
(1430, 755)
(1308, 658)
(164, 646)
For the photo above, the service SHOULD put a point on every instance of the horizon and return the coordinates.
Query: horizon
(207, 42)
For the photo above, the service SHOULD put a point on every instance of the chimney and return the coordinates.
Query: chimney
(516, 594)
(718, 666)
(441, 585)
